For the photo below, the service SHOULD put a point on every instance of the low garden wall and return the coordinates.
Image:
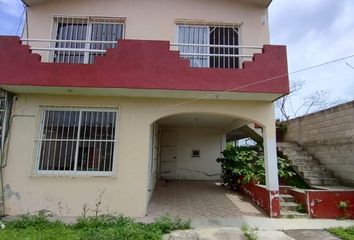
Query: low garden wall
(268, 200)
(330, 204)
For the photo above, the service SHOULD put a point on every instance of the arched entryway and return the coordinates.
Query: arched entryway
(184, 176)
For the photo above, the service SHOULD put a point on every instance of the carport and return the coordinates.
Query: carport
(184, 176)
(198, 198)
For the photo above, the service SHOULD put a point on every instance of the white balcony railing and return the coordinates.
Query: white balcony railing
(216, 56)
(200, 55)
(69, 51)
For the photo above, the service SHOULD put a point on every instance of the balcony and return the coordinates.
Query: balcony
(199, 55)
(141, 68)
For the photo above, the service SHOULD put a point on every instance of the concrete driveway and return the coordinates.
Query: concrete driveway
(195, 198)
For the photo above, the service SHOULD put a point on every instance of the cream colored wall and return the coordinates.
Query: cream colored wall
(155, 19)
(209, 142)
(125, 193)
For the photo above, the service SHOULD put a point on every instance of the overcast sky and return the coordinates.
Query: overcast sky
(315, 31)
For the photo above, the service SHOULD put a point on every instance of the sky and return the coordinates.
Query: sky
(314, 31)
(10, 15)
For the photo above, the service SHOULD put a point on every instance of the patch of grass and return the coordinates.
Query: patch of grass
(301, 208)
(343, 233)
(250, 233)
(92, 228)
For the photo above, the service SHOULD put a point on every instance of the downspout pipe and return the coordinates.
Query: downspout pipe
(6, 127)
(7, 124)
(4, 142)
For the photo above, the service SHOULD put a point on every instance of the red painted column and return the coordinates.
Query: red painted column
(274, 203)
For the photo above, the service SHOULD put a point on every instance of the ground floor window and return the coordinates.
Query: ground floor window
(79, 141)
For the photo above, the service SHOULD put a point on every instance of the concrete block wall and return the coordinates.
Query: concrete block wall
(329, 136)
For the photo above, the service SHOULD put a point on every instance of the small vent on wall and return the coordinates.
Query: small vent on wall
(196, 153)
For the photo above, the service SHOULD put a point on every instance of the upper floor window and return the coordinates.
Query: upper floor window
(80, 39)
(209, 46)
(77, 141)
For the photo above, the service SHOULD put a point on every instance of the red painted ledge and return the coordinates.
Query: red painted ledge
(266, 199)
(142, 64)
(324, 203)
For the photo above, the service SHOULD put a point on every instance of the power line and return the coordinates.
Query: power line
(20, 21)
(261, 81)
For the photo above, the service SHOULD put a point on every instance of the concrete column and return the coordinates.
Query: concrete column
(270, 158)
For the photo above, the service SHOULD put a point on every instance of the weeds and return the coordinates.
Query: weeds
(105, 227)
(301, 208)
(343, 233)
(250, 233)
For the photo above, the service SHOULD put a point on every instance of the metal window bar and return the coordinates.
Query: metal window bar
(80, 39)
(215, 47)
(76, 141)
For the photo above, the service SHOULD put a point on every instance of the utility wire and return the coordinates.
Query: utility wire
(349, 65)
(20, 21)
(260, 81)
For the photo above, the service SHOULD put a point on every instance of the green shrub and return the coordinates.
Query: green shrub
(245, 164)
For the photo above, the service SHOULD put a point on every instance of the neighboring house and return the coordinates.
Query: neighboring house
(91, 116)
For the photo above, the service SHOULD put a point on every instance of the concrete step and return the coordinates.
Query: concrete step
(322, 181)
(307, 167)
(302, 162)
(316, 174)
(287, 144)
(286, 198)
(306, 157)
(305, 164)
(294, 153)
(287, 206)
(293, 214)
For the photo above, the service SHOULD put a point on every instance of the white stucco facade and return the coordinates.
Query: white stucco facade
(128, 191)
(141, 113)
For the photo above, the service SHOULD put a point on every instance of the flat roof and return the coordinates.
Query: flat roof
(263, 3)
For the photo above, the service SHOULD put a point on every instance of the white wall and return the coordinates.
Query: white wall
(155, 19)
(209, 141)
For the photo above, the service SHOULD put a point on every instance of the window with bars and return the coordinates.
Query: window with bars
(80, 141)
(209, 46)
(85, 37)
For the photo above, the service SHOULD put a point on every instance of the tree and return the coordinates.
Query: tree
(316, 101)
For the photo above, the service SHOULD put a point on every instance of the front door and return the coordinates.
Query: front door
(168, 154)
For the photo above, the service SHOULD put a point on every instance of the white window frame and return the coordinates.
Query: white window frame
(199, 26)
(89, 20)
(209, 26)
(75, 172)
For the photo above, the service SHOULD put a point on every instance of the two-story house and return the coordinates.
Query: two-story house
(108, 96)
